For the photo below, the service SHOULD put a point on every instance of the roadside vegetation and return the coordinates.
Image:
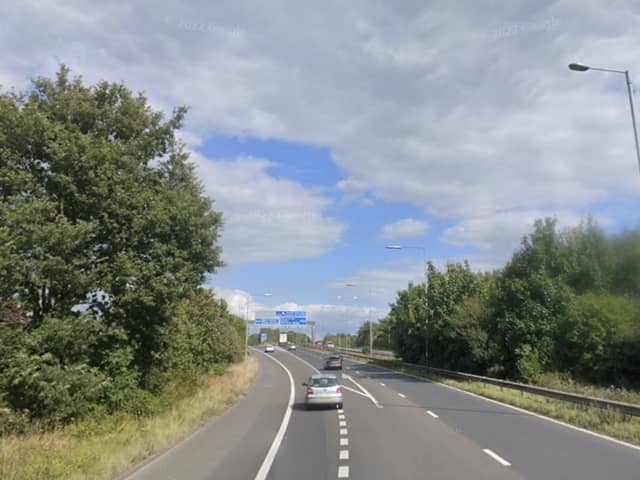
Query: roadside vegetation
(102, 448)
(563, 313)
(105, 240)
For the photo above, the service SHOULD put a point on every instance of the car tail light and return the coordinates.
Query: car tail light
(339, 389)
(309, 390)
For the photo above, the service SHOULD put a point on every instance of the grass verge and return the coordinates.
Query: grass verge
(606, 421)
(105, 448)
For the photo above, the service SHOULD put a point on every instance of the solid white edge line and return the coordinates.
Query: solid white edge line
(343, 471)
(518, 409)
(273, 450)
(496, 457)
(432, 414)
(402, 395)
(344, 454)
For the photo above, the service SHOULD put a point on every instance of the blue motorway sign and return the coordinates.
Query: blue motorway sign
(267, 321)
(292, 317)
(293, 321)
(291, 313)
(263, 337)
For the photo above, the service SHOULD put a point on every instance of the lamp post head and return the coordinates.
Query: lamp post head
(578, 67)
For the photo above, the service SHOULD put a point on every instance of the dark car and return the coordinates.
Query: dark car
(333, 361)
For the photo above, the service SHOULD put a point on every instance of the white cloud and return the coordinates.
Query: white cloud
(237, 300)
(266, 218)
(499, 235)
(408, 227)
(345, 317)
(502, 125)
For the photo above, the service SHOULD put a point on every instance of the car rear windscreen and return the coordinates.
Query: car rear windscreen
(323, 382)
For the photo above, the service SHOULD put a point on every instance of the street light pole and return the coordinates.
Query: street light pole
(426, 320)
(368, 317)
(579, 67)
(633, 115)
(246, 318)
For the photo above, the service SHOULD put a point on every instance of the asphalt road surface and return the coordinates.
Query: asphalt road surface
(392, 426)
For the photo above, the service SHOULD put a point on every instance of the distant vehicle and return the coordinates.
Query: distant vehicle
(333, 361)
(331, 345)
(292, 346)
(323, 390)
(283, 339)
(268, 348)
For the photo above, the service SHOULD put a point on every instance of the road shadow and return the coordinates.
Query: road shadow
(301, 406)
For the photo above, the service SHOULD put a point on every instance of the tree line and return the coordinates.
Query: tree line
(105, 241)
(567, 301)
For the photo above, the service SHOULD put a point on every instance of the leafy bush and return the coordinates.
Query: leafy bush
(51, 392)
(199, 334)
(528, 365)
(595, 340)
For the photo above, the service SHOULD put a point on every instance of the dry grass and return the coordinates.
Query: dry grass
(92, 449)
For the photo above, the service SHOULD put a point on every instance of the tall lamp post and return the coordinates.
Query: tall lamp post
(579, 67)
(424, 264)
(368, 317)
(246, 316)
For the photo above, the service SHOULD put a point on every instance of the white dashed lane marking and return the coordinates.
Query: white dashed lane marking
(402, 395)
(343, 470)
(432, 414)
(496, 457)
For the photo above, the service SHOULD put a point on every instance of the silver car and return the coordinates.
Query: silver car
(323, 390)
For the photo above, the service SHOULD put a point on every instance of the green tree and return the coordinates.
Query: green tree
(445, 291)
(532, 298)
(588, 258)
(101, 207)
(625, 260)
(408, 316)
(598, 340)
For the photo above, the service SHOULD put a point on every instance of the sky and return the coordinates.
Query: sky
(324, 132)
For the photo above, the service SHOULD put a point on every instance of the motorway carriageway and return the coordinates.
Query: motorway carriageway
(392, 426)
